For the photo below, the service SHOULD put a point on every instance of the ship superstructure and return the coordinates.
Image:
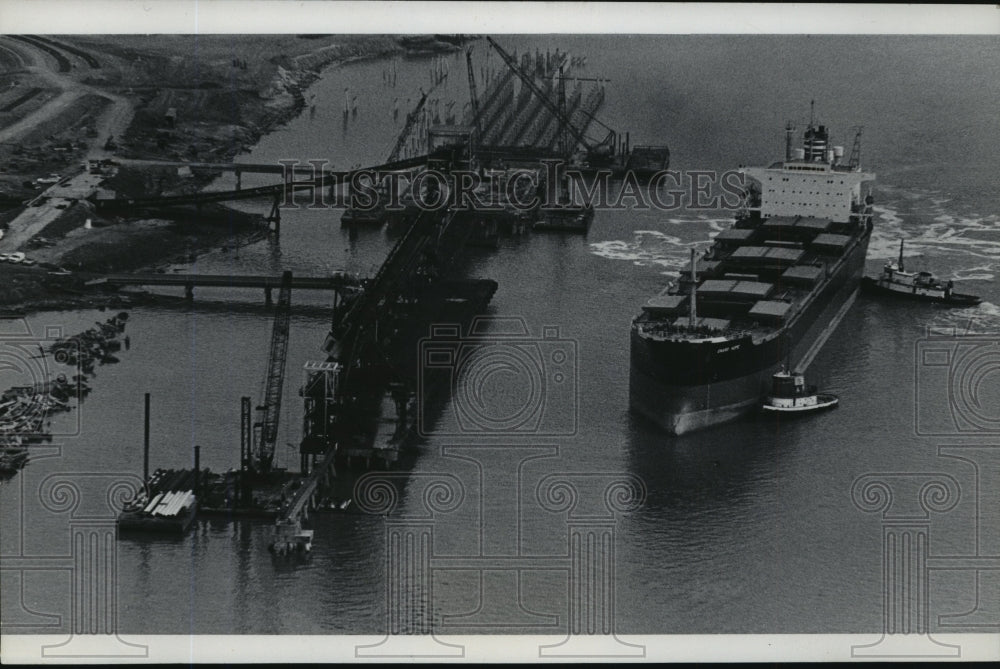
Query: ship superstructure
(767, 293)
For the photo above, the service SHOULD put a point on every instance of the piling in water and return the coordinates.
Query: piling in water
(145, 445)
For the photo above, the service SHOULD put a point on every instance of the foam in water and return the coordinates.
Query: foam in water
(982, 319)
(655, 247)
(933, 231)
(648, 248)
(978, 273)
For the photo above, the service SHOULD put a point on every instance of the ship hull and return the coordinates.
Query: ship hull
(681, 396)
(683, 409)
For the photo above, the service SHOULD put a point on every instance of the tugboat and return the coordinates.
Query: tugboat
(790, 394)
(920, 286)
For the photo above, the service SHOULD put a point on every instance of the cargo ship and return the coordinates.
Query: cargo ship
(766, 295)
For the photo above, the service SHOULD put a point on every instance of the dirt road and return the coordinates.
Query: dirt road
(113, 121)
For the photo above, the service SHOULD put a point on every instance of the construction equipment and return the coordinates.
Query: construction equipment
(473, 94)
(602, 152)
(267, 428)
(411, 120)
(561, 99)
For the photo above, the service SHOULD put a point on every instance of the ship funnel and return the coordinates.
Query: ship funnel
(799, 154)
(789, 139)
(838, 152)
(816, 138)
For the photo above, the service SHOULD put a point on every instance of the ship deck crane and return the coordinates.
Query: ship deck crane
(273, 382)
(602, 151)
(855, 161)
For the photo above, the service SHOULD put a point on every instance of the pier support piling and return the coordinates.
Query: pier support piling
(246, 435)
(274, 218)
(197, 470)
(145, 446)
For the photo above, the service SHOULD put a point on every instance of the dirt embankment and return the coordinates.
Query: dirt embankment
(75, 253)
(196, 97)
(203, 98)
(176, 235)
(217, 105)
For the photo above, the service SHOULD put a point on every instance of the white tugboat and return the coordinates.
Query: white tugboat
(920, 286)
(790, 394)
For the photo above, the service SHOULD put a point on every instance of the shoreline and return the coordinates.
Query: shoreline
(149, 242)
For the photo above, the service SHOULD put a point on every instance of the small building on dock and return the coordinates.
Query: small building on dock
(645, 161)
(455, 136)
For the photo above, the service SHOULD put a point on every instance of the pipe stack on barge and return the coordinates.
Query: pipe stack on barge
(168, 506)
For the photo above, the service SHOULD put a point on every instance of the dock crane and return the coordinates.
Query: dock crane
(273, 382)
(602, 152)
(473, 94)
(411, 120)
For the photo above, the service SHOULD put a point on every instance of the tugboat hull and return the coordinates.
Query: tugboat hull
(823, 402)
(876, 287)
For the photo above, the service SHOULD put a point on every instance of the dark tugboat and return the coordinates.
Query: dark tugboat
(790, 394)
(920, 286)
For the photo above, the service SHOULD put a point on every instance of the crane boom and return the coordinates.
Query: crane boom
(549, 104)
(473, 94)
(275, 375)
(411, 119)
